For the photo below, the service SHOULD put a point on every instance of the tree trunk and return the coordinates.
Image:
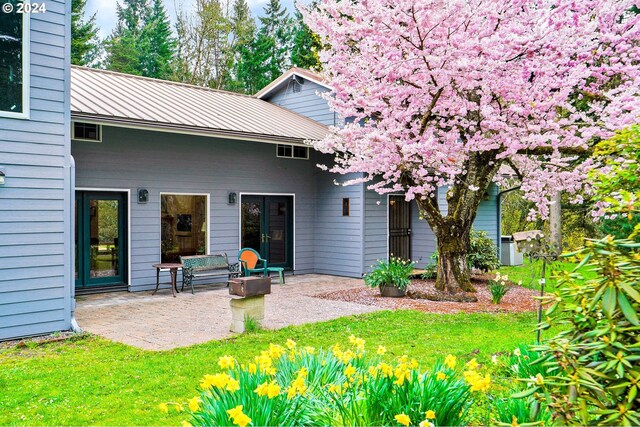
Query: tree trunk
(453, 270)
(555, 222)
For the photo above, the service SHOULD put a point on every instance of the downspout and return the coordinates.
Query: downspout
(499, 219)
(72, 265)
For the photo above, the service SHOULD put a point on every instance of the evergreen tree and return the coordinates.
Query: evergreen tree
(244, 31)
(141, 43)
(85, 44)
(157, 46)
(277, 26)
(253, 72)
(306, 45)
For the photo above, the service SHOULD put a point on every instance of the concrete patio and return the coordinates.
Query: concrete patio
(161, 322)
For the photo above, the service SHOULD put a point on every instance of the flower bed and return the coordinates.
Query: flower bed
(288, 385)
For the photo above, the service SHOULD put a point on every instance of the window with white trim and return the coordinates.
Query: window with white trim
(292, 151)
(14, 60)
(81, 131)
(183, 219)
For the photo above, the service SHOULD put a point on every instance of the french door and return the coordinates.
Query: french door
(100, 239)
(267, 227)
(399, 227)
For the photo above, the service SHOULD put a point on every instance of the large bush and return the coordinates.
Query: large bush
(483, 255)
(593, 365)
(340, 386)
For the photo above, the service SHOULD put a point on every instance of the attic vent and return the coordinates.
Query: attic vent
(292, 151)
(86, 132)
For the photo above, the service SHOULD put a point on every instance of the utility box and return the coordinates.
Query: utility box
(509, 254)
(250, 286)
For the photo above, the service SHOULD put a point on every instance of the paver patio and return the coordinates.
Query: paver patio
(161, 322)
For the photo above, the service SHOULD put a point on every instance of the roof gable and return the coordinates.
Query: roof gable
(277, 84)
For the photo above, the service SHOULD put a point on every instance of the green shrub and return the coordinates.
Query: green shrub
(334, 387)
(483, 253)
(593, 369)
(395, 272)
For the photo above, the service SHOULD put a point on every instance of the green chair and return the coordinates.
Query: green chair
(249, 260)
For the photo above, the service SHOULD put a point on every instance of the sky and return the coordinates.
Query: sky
(106, 18)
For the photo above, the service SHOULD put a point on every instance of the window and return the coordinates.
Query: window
(345, 206)
(14, 62)
(292, 151)
(86, 132)
(183, 219)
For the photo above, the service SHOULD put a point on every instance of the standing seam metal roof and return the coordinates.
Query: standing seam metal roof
(127, 99)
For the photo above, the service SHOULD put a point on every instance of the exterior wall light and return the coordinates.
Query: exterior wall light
(2, 177)
(143, 195)
(233, 197)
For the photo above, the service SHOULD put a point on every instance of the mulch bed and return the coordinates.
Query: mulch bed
(517, 300)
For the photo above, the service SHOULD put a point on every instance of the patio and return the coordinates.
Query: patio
(161, 322)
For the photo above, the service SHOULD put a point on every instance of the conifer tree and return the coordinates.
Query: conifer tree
(277, 26)
(85, 44)
(306, 45)
(141, 43)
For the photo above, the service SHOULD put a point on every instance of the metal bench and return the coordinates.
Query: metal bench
(216, 265)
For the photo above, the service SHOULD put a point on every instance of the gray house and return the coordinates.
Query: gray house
(35, 171)
(165, 169)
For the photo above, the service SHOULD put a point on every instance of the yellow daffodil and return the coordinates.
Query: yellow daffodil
(430, 415)
(226, 362)
(217, 380)
(269, 389)
(360, 344)
(539, 379)
(352, 339)
(194, 404)
(387, 370)
(381, 350)
(163, 407)
(414, 364)
(275, 351)
(186, 423)
(335, 388)
(233, 385)
(291, 344)
(373, 371)
(425, 423)
(179, 407)
(349, 371)
(477, 381)
(403, 419)
(310, 350)
(472, 364)
(440, 376)
(450, 361)
(253, 368)
(238, 417)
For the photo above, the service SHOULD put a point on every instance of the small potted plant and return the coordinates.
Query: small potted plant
(391, 277)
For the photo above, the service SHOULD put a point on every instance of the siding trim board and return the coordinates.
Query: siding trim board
(240, 194)
(127, 191)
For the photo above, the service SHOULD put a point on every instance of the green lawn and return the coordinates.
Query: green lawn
(94, 381)
(531, 272)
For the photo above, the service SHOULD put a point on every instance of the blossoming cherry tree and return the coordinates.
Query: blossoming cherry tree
(452, 93)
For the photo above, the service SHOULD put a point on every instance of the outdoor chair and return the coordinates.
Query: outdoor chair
(249, 260)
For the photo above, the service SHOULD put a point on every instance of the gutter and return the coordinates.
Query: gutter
(189, 130)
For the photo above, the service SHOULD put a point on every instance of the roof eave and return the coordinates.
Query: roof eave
(274, 85)
(186, 130)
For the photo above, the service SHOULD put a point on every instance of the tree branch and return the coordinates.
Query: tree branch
(540, 151)
(428, 115)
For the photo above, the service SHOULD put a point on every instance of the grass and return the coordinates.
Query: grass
(530, 273)
(89, 380)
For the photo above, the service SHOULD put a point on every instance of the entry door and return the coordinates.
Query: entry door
(399, 227)
(267, 227)
(100, 239)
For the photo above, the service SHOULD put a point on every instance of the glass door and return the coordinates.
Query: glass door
(100, 225)
(267, 227)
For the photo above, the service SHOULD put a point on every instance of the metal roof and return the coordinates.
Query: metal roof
(133, 101)
(293, 71)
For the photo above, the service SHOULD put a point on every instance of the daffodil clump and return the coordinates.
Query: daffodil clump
(286, 385)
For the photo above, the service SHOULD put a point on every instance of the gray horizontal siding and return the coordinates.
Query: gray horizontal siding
(338, 239)
(35, 292)
(170, 163)
(376, 242)
(306, 102)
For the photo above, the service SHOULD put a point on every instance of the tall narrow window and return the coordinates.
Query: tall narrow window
(14, 79)
(184, 226)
